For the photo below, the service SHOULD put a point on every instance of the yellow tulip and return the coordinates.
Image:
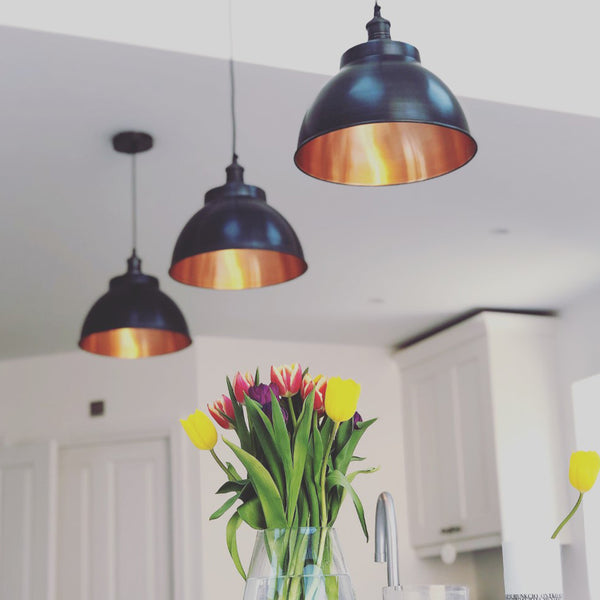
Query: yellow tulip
(583, 470)
(200, 430)
(341, 398)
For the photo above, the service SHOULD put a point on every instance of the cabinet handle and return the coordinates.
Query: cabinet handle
(453, 529)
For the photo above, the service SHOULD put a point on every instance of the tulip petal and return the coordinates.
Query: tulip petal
(200, 430)
(191, 432)
(341, 399)
(583, 470)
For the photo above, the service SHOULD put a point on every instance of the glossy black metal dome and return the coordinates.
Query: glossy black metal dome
(134, 319)
(383, 119)
(236, 241)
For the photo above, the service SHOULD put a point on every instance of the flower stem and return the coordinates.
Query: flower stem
(220, 463)
(292, 413)
(566, 519)
(324, 518)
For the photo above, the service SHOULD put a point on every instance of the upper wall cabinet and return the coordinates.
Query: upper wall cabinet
(456, 384)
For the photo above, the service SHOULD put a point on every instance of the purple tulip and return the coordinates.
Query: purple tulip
(356, 419)
(262, 393)
(268, 410)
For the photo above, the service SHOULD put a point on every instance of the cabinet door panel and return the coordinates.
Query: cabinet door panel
(451, 470)
(477, 486)
(423, 452)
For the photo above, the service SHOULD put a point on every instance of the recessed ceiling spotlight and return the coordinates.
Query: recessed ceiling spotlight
(500, 231)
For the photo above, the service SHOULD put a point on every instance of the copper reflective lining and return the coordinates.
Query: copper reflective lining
(237, 269)
(133, 342)
(385, 153)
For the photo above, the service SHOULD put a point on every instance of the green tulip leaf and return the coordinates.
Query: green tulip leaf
(299, 456)
(352, 476)
(338, 479)
(282, 438)
(265, 438)
(343, 435)
(311, 489)
(265, 487)
(334, 505)
(230, 389)
(326, 428)
(232, 486)
(231, 537)
(226, 505)
(303, 514)
(252, 513)
(342, 460)
(317, 453)
(233, 474)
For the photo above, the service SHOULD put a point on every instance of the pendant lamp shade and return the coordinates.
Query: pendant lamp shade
(383, 119)
(237, 241)
(134, 319)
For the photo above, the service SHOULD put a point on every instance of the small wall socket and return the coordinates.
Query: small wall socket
(96, 408)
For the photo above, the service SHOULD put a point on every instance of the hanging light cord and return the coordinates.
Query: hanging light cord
(133, 204)
(232, 83)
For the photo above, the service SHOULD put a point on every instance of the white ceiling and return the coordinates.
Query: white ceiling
(537, 53)
(383, 263)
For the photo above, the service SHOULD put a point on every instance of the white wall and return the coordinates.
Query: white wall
(47, 397)
(579, 357)
(586, 405)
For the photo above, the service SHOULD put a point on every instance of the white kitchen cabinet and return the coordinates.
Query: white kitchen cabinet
(455, 385)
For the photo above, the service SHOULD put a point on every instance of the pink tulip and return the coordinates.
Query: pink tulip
(288, 379)
(225, 405)
(319, 384)
(241, 383)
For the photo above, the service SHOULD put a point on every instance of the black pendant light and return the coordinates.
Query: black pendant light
(236, 241)
(383, 119)
(134, 318)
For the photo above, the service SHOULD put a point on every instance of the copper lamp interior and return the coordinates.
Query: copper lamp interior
(385, 153)
(237, 268)
(133, 342)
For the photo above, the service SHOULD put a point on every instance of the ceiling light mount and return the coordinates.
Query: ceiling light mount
(383, 119)
(132, 142)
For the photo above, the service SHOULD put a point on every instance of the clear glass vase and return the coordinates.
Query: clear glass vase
(298, 564)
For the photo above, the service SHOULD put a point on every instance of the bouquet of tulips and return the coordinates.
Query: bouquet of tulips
(297, 437)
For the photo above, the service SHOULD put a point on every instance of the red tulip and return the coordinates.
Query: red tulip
(225, 405)
(319, 384)
(241, 383)
(288, 379)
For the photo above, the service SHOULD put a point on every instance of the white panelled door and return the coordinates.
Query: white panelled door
(114, 532)
(27, 505)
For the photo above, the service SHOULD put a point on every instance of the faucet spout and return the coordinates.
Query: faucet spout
(386, 537)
